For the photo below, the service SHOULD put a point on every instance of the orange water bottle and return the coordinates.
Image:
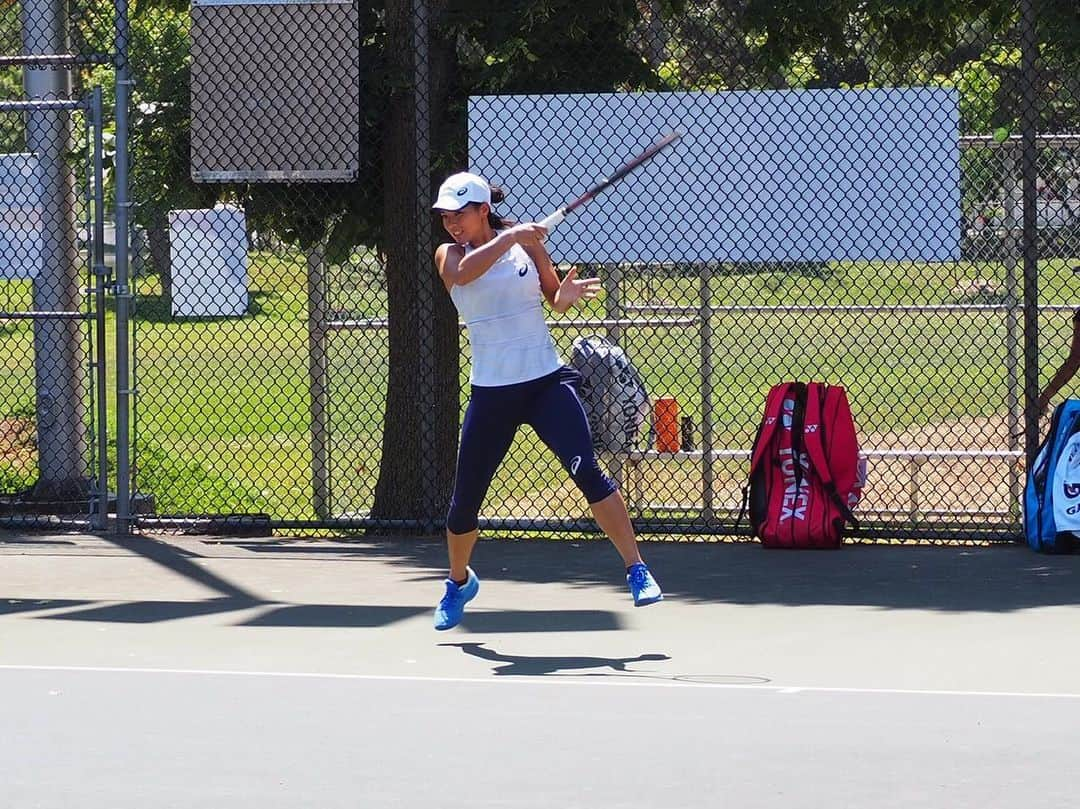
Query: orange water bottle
(666, 418)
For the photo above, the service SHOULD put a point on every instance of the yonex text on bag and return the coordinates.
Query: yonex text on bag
(614, 396)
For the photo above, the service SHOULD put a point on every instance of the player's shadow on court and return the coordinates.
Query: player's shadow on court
(542, 621)
(532, 666)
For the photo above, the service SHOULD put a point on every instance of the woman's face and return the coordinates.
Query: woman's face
(467, 225)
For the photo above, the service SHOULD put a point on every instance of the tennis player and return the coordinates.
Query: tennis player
(496, 273)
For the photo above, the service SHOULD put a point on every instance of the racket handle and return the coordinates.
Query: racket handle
(551, 220)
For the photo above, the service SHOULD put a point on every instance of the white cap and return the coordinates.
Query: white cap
(459, 190)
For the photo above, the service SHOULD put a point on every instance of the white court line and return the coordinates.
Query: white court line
(613, 680)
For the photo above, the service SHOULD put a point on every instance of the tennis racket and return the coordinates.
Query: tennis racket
(553, 219)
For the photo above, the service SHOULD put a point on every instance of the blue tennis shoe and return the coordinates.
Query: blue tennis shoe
(452, 607)
(643, 586)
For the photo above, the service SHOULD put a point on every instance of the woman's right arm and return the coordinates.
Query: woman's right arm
(457, 269)
(447, 258)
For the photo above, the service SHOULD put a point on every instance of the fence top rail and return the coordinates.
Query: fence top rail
(42, 104)
(919, 454)
(54, 59)
(382, 323)
(41, 315)
(1047, 139)
(883, 307)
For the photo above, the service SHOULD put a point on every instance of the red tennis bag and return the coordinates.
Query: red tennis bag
(805, 470)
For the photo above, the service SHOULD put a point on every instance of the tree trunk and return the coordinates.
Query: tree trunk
(423, 393)
(157, 236)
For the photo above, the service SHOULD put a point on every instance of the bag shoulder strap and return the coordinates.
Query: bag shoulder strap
(770, 422)
(815, 448)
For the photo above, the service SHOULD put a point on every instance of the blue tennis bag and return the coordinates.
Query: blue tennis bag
(1052, 493)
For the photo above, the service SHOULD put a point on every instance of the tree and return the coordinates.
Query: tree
(970, 44)
(517, 47)
(927, 41)
(376, 211)
(523, 46)
(12, 131)
(421, 414)
(160, 131)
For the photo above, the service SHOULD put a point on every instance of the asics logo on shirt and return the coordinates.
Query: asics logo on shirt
(524, 268)
(575, 462)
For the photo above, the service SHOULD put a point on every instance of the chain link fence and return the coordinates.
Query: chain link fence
(52, 284)
(847, 204)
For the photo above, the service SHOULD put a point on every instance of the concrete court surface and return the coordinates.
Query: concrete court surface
(214, 672)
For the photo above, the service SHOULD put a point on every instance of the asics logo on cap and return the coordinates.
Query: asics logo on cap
(463, 191)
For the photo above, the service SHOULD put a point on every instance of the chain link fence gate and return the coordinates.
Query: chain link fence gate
(296, 363)
(53, 273)
(268, 200)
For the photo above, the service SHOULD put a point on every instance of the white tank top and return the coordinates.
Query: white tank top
(504, 316)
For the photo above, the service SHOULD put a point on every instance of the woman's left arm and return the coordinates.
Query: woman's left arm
(561, 295)
(549, 281)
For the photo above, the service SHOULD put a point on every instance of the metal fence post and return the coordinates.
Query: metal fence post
(614, 313)
(100, 273)
(317, 380)
(121, 288)
(1014, 306)
(706, 349)
(426, 280)
(1029, 233)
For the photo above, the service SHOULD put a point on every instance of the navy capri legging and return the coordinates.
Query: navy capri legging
(551, 406)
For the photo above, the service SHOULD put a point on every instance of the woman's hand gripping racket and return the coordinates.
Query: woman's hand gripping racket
(558, 216)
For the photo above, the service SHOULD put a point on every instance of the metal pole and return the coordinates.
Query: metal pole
(1029, 48)
(707, 506)
(613, 305)
(317, 381)
(1014, 304)
(59, 354)
(101, 273)
(613, 312)
(121, 289)
(426, 278)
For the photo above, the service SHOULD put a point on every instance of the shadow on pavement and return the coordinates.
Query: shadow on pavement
(536, 665)
(541, 621)
(185, 562)
(994, 578)
(233, 598)
(334, 615)
(151, 612)
(181, 561)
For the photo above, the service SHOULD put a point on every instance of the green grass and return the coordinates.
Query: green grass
(223, 405)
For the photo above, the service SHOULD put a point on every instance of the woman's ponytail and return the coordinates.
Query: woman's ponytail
(494, 220)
